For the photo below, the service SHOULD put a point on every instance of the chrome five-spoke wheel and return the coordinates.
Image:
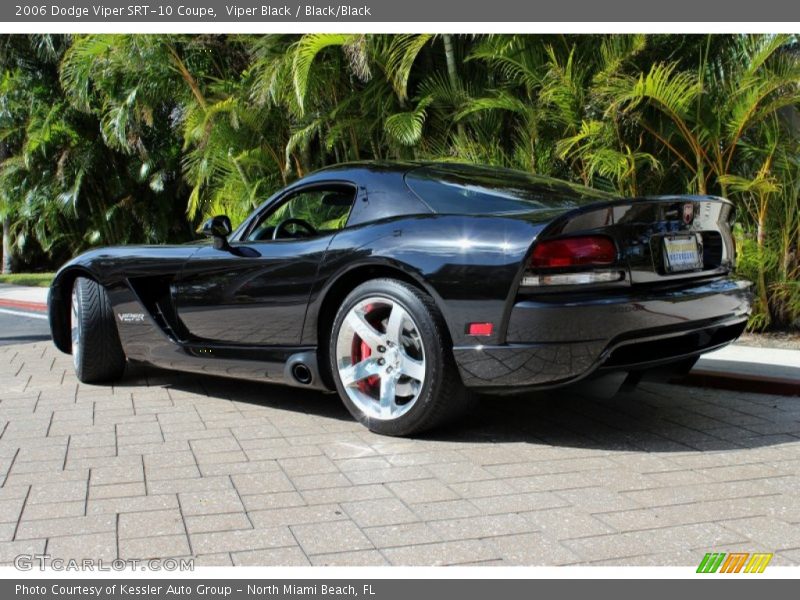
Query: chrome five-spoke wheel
(380, 358)
(391, 359)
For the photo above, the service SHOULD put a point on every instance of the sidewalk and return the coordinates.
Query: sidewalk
(767, 370)
(732, 365)
(23, 297)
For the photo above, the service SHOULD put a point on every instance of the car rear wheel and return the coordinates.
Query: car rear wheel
(96, 349)
(390, 360)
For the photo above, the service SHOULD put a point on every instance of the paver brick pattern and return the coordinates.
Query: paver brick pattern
(167, 465)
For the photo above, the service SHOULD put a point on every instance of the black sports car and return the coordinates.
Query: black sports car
(406, 286)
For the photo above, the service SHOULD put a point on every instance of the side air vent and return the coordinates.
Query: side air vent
(156, 296)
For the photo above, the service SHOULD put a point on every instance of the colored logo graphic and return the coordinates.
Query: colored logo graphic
(734, 562)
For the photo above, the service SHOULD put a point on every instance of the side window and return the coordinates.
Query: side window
(307, 213)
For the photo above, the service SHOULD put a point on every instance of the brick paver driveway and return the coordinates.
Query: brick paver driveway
(174, 465)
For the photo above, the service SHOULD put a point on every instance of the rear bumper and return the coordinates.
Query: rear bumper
(559, 340)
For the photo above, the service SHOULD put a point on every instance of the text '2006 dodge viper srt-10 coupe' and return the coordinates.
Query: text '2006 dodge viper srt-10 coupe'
(408, 287)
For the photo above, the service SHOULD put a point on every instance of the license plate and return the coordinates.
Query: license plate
(681, 254)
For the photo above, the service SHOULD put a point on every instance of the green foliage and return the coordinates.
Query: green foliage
(31, 279)
(406, 127)
(111, 139)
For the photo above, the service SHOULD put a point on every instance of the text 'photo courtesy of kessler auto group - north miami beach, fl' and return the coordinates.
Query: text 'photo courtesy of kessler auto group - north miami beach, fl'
(399, 299)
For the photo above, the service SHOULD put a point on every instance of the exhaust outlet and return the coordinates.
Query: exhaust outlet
(301, 373)
(301, 370)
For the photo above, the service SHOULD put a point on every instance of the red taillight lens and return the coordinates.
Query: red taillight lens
(574, 252)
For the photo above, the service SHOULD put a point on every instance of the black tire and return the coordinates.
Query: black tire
(442, 396)
(96, 349)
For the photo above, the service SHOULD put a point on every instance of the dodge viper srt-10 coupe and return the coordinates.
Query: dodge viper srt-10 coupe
(410, 287)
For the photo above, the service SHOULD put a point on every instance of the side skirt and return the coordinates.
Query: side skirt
(143, 340)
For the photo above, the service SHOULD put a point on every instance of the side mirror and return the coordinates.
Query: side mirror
(219, 228)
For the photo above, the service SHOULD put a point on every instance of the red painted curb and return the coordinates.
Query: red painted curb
(742, 383)
(23, 304)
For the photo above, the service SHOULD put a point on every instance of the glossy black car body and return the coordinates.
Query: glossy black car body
(257, 309)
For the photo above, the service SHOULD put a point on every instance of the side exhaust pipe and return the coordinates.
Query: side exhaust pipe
(301, 370)
(302, 374)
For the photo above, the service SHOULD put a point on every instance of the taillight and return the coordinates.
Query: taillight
(587, 250)
(590, 251)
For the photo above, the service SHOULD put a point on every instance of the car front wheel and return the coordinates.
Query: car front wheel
(96, 349)
(391, 361)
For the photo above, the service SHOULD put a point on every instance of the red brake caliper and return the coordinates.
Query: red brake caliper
(361, 351)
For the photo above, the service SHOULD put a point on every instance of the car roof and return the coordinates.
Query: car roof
(447, 170)
(372, 166)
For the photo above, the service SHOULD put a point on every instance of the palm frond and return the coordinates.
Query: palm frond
(401, 56)
(305, 51)
(406, 127)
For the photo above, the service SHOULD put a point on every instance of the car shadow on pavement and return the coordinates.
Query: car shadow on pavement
(7, 340)
(276, 397)
(653, 418)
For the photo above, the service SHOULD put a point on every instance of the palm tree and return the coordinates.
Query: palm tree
(701, 118)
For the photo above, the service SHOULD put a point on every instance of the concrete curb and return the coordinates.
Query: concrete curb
(748, 368)
(24, 305)
(21, 297)
(738, 383)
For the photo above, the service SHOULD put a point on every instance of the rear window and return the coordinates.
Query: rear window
(466, 189)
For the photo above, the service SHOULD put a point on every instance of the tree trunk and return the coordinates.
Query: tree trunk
(4, 153)
(6, 244)
(761, 238)
(701, 176)
(452, 73)
(450, 55)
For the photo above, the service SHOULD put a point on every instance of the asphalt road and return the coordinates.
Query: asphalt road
(16, 327)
